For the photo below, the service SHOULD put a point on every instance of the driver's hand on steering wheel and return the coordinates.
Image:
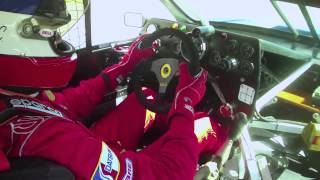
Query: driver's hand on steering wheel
(135, 54)
(189, 92)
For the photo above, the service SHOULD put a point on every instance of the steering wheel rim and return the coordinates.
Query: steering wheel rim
(161, 59)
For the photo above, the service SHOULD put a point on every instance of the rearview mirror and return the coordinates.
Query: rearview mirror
(133, 19)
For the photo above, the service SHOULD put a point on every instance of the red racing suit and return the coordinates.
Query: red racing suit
(50, 127)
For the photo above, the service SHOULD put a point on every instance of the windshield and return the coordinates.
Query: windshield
(260, 13)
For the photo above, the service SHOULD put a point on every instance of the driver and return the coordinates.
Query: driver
(35, 121)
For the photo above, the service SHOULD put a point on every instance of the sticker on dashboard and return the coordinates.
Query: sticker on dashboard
(246, 94)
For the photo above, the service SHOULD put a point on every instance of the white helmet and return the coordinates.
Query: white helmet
(29, 27)
(32, 53)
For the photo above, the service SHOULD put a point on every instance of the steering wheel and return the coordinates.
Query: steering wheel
(164, 65)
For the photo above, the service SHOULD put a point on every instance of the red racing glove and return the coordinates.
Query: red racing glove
(117, 72)
(189, 92)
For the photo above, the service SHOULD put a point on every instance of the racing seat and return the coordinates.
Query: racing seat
(30, 168)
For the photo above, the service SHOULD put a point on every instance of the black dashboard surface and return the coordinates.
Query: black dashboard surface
(233, 62)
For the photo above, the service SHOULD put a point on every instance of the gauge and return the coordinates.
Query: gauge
(246, 51)
(246, 68)
(224, 36)
(229, 64)
(232, 46)
(215, 58)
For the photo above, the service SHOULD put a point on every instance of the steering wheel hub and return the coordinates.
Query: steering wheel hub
(165, 71)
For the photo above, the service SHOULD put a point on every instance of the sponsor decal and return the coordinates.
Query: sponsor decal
(150, 117)
(129, 170)
(32, 105)
(46, 33)
(108, 167)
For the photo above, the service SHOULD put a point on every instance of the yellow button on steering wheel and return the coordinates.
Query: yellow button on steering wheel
(165, 71)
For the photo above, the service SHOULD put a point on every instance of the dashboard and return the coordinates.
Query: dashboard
(231, 53)
(233, 62)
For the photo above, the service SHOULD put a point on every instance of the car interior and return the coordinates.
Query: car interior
(270, 75)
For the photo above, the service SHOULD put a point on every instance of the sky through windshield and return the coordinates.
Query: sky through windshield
(253, 12)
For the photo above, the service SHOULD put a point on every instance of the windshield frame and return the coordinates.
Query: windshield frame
(314, 37)
(303, 9)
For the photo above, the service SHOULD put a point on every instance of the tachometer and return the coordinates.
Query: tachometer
(246, 51)
(232, 46)
(215, 58)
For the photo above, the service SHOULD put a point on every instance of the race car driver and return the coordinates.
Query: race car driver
(47, 124)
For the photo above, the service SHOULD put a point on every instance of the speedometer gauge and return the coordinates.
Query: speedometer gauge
(232, 46)
(246, 51)
(215, 58)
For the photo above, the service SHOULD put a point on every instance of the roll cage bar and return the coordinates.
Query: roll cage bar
(302, 4)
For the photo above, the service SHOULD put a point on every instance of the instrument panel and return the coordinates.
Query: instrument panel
(233, 62)
(231, 53)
